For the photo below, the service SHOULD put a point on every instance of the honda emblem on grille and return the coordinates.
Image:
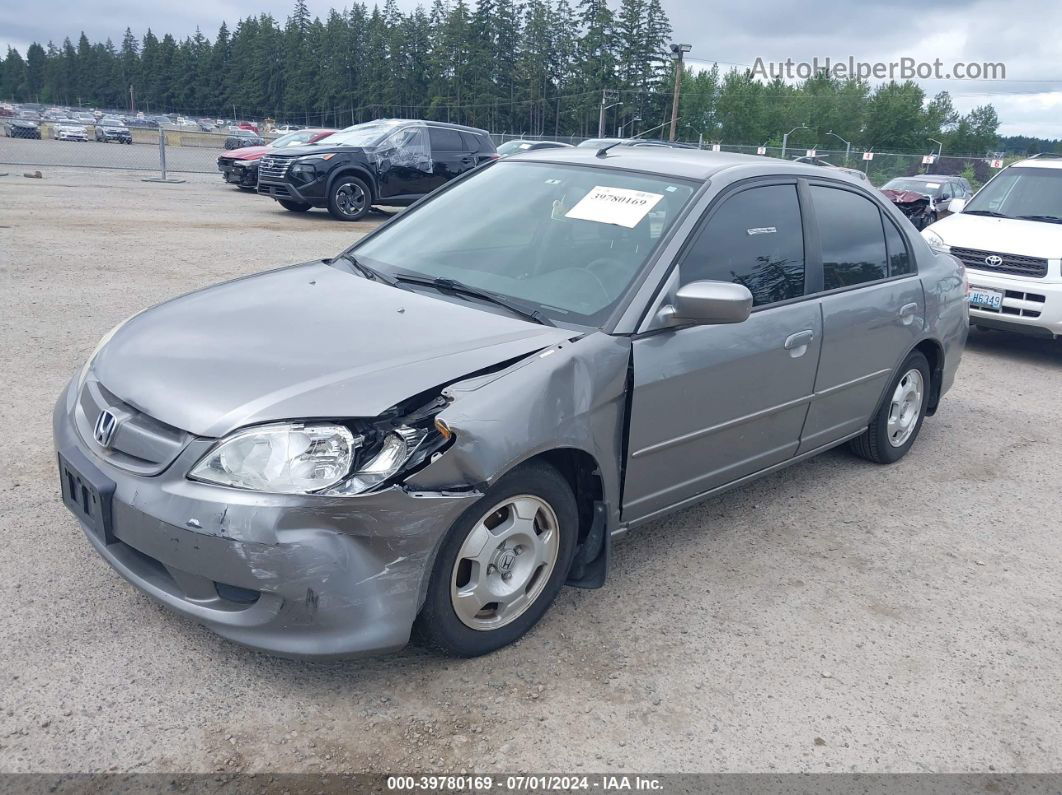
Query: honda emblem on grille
(993, 260)
(106, 426)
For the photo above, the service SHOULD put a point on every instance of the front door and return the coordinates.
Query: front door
(404, 163)
(712, 404)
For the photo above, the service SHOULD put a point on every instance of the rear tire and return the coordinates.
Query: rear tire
(349, 198)
(294, 207)
(485, 594)
(896, 424)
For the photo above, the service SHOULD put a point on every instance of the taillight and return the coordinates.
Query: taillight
(965, 282)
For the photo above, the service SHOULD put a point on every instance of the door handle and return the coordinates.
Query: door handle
(907, 313)
(797, 344)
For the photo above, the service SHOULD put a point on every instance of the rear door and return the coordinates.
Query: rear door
(449, 156)
(712, 404)
(873, 310)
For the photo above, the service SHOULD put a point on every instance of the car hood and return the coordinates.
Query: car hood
(308, 341)
(248, 152)
(1007, 235)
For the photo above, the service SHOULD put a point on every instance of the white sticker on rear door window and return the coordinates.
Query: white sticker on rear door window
(618, 206)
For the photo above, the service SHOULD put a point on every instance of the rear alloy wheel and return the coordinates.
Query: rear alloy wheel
(349, 199)
(502, 564)
(295, 207)
(894, 428)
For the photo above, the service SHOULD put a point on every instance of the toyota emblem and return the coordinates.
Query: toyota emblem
(993, 260)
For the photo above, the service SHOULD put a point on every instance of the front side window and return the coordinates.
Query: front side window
(568, 240)
(853, 242)
(756, 239)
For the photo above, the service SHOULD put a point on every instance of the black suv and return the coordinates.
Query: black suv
(388, 161)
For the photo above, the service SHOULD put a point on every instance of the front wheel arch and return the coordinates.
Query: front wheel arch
(353, 171)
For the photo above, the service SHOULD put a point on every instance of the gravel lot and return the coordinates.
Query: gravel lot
(836, 616)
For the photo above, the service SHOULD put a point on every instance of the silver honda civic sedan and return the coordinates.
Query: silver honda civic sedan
(437, 429)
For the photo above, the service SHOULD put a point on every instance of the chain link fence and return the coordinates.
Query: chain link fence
(194, 151)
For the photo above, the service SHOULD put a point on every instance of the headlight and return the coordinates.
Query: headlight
(936, 242)
(304, 171)
(306, 458)
(284, 459)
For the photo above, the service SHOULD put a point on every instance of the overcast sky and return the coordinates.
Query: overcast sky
(1023, 35)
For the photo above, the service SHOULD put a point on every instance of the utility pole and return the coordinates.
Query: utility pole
(132, 100)
(676, 54)
(607, 96)
(785, 137)
(847, 145)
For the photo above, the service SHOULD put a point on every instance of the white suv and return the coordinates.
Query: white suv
(1009, 237)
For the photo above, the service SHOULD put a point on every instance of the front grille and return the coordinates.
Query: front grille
(141, 443)
(273, 167)
(1012, 264)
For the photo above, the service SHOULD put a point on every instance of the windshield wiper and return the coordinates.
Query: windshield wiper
(367, 271)
(454, 286)
(1051, 219)
(990, 213)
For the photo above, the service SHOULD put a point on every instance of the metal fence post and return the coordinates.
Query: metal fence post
(162, 161)
(162, 152)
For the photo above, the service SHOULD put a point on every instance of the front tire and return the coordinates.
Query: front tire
(293, 207)
(894, 428)
(349, 199)
(502, 564)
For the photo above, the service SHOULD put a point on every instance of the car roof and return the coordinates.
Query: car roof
(699, 164)
(446, 124)
(1039, 162)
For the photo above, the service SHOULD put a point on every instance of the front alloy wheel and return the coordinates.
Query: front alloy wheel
(502, 563)
(349, 199)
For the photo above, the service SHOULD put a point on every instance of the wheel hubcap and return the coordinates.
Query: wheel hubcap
(350, 199)
(505, 562)
(905, 408)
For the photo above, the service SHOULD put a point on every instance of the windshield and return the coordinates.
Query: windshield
(111, 123)
(366, 134)
(293, 139)
(916, 185)
(511, 147)
(1018, 192)
(565, 239)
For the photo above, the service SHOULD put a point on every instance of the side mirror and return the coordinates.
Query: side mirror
(956, 205)
(709, 303)
(945, 197)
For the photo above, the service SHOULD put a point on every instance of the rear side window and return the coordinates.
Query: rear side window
(853, 242)
(470, 142)
(755, 238)
(899, 256)
(443, 140)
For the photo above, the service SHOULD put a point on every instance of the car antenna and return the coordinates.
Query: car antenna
(603, 151)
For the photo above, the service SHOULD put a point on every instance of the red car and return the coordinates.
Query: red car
(240, 166)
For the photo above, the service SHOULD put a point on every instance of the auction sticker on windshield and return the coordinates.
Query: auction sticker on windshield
(619, 206)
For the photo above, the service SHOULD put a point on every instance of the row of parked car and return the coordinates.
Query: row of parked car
(387, 161)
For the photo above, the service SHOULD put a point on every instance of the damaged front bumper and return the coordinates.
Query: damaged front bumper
(301, 576)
